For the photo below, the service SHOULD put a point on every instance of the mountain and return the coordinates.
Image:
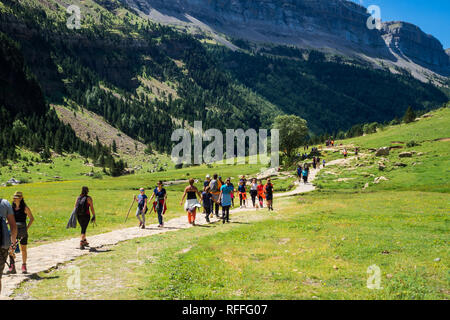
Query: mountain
(147, 79)
(336, 26)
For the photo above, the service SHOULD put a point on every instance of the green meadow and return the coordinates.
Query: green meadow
(317, 245)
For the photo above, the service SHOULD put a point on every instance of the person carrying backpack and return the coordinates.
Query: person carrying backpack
(299, 172)
(84, 207)
(305, 173)
(21, 212)
(215, 191)
(206, 201)
(225, 198)
(242, 194)
(142, 208)
(268, 190)
(7, 242)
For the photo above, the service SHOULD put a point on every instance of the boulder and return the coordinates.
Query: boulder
(382, 152)
(381, 167)
(400, 164)
(405, 155)
(13, 182)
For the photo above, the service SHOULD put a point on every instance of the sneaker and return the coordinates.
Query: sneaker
(12, 269)
(81, 245)
(85, 243)
(143, 226)
(24, 269)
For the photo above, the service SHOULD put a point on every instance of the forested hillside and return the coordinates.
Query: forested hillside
(146, 79)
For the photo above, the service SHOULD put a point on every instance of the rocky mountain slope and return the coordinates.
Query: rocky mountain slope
(337, 26)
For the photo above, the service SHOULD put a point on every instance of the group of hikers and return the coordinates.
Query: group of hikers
(216, 193)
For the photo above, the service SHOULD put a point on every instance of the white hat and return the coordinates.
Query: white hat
(208, 176)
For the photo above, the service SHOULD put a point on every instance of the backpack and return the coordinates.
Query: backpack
(214, 186)
(5, 240)
(81, 206)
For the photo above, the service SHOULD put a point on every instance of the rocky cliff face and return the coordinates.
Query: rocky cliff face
(332, 25)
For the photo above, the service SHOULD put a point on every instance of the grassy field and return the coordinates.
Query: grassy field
(315, 246)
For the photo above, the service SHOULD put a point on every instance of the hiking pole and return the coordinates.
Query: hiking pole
(130, 209)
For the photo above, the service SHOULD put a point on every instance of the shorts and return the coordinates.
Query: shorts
(3, 257)
(269, 196)
(22, 233)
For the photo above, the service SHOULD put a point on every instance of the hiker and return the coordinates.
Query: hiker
(299, 172)
(206, 201)
(268, 190)
(305, 173)
(142, 208)
(314, 162)
(159, 205)
(7, 242)
(21, 212)
(318, 162)
(206, 182)
(323, 163)
(261, 194)
(232, 194)
(345, 152)
(214, 186)
(242, 194)
(254, 191)
(84, 207)
(225, 197)
(244, 180)
(191, 203)
(356, 151)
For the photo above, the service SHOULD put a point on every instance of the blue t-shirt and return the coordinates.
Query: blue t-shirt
(305, 173)
(226, 195)
(206, 197)
(141, 200)
(159, 194)
(299, 171)
(241, 188)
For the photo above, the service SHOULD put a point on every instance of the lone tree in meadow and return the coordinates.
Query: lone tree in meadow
(293, 131)
(409, 116)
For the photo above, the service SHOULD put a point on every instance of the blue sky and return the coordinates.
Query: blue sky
(432, 16)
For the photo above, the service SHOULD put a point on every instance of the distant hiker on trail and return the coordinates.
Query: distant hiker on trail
(305, 173)
(160, 203)
(207, 203)
(225, 197)
(142, 208)
(232, 194)
(242, 194)
(314, 162)
(323, 163)
(261, 194)
(268, 190)
(345, 152)
(21, 212)
(191, 203)
(318, 162)
(356, 151)
(206, 182)
(214, 186)
(7, 241)
(84, 206)
(254, 191)
(299, 172)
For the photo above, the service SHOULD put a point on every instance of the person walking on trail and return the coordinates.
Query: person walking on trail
(206, 201)
(214, 186)
(242, 194)
(323, 163)
(225, 197)
(299, 172)
(160, 195)
(305, 173)
(142, 208)
(206, 182)
(345, 152)
(191, 203)
(21, 212)
(314, 162)
(261, 194)
(84, 207)
(7, 239)
(318, 162)
(254, 192)
(232, 194)
(268, 190)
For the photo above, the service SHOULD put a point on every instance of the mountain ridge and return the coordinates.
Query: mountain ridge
(331, 25)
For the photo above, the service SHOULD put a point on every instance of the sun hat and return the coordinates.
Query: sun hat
(208, 176)
(18, 195)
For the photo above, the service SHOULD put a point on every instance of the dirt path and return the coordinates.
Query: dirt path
(48, 256)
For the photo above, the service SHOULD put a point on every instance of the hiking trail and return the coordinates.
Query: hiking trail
(48, 256)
